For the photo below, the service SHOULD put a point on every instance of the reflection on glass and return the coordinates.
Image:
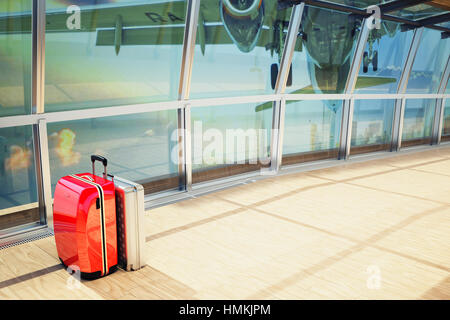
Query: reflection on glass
(138, 147)
(311, 130)
(446, 122)
(429, 63)
(124, 52)
(239, 47)
(230, 139)
(372, 125)
(383, 59)
(18, 191)
(323, 51)
(357, 3)
(15, 57)
(418, 121)
(420, 11)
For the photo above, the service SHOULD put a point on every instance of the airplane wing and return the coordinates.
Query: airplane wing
(362, 82)
(211, 34)
(102, 16)
(368, 81)
(214, 34)
(268, 105)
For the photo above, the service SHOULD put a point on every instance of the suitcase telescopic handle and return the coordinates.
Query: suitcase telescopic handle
(102, 160)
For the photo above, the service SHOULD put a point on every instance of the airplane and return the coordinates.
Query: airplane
(329, 38)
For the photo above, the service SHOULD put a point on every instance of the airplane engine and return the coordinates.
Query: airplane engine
(243, 21)
(242, 8)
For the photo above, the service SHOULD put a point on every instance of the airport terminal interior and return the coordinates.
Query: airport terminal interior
(287, 149)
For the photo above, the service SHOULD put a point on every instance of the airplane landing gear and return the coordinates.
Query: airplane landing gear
(368, 60)
(375, 61)
(365, 62)
(274, 75)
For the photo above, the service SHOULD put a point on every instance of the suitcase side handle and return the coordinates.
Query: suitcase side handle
(102, 160)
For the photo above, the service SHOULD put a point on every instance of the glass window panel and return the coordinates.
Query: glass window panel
(429, 63)
(236, 51)
(444, 24)
(418, 121)
(312, 130)
(372, 125)
(228, 140)
(420, 11)
(323, 54)
(383, 59)
(357, 4)
(138, 147)
(446, 122)
(93, 65)
(18, 188)
(15, 57)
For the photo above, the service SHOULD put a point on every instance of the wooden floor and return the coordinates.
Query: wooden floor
(373, 230)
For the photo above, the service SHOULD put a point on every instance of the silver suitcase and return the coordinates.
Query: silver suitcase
(130, 216)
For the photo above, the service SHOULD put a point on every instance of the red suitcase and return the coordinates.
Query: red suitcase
(84, 218)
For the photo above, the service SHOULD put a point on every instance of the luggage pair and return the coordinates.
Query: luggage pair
(98, 222)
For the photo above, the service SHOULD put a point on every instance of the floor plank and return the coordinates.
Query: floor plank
(411, 183)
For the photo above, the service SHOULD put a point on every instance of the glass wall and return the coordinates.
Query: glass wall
(102, 55)
(141, 148)
(15, 57)
(231, 139)
(418, 121)
(311, 130)
(323, 52)
(383, 59)
(18, 188)
(429, 63)
(127, 52)
(239, 48)
(372, 125)
(446, 122)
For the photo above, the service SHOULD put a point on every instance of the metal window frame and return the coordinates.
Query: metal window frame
(190, 34)
(46, 176)
(184, 113)
(276, 144)
(40, 142)
(346, 128)
(289, 47)
(348, 104)
(61, 116)
(399, 109)
(440, 106)
(279, 105)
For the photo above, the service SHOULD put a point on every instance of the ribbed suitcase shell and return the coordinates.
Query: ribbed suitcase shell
(130, 215)
(84, 237)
